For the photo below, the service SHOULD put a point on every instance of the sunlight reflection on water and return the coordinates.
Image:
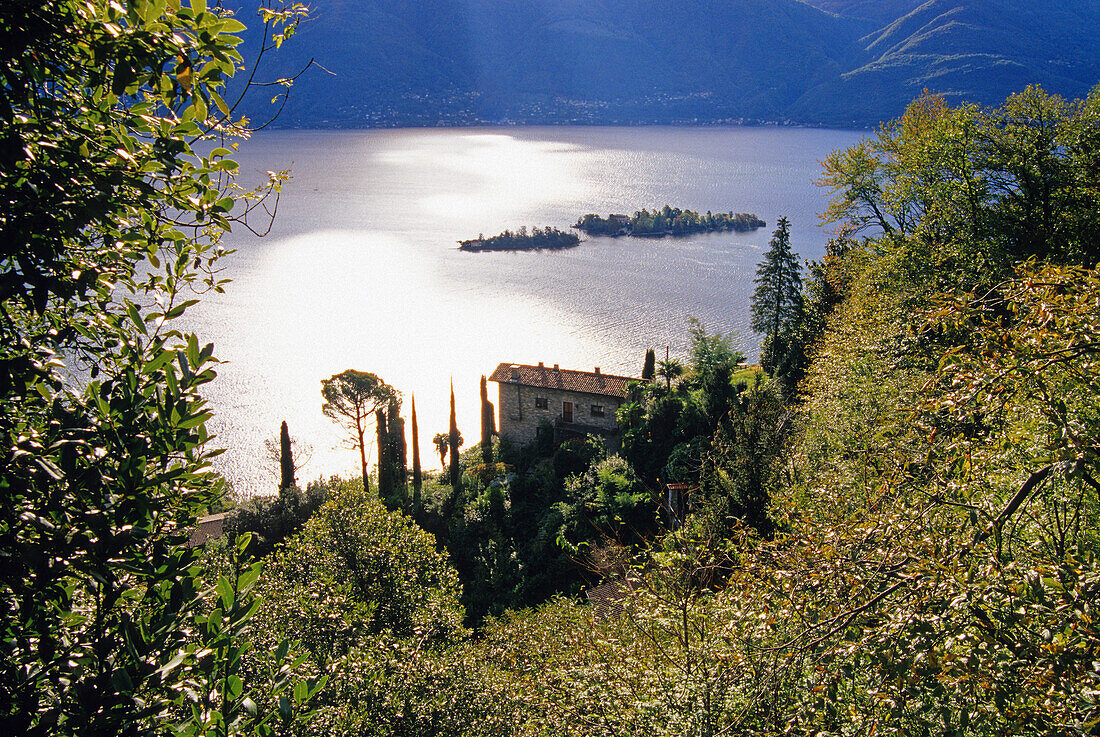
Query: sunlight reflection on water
(361, 269)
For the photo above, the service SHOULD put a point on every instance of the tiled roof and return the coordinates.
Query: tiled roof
(586, 382)
(207, 528)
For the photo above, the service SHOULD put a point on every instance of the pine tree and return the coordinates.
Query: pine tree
(351, 398)
(777, 301)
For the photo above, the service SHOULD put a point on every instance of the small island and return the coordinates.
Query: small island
(667, 221)
(535, 240)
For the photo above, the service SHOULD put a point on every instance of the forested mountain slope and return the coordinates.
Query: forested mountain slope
(837, 62)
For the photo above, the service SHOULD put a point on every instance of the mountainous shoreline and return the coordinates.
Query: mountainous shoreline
(831, 63)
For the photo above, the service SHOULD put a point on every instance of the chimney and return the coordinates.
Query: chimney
(555, 367)
(540, 364)
(597, 370)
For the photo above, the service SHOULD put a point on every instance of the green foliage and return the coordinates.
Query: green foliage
(536, 240)
(667, 221)
(921, 559)
(417, 478)
(777, 309)
(286, 458)
(966, 193)
(109, 227)
(740, 471)
(488, 423)
(454, 441)
(649, 367)
(375, 606)
(272, 519)
(357, 568)
(392, 455)
(606, 502)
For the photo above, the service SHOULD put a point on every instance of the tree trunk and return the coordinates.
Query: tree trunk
(362, 454)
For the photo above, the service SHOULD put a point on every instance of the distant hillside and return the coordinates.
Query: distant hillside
(968, 50)
(833, 62)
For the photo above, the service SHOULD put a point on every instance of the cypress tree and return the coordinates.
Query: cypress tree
(649, 369)
(452, 442)
(385, 489)
(416, 479)
(487, 423)
(398, 451)
(286, 458)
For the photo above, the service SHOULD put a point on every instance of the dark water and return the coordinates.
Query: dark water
(361, 271)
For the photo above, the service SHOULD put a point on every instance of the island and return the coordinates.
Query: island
(667, 221)
(535, 240)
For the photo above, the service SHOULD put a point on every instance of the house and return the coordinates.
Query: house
(573, 403)
(207, 528)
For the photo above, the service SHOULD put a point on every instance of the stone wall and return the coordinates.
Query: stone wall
(519, 418)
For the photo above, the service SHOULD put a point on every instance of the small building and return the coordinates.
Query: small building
(207, 528)
(573, 403)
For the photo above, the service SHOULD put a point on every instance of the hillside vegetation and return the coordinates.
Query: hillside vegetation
(902, 543)
(894, 533)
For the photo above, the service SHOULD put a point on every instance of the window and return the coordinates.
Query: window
(540, 403)
(597, 410)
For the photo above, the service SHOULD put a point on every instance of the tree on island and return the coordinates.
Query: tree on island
(667, 221)
(351, 398)
(536, 239)
(777, 302)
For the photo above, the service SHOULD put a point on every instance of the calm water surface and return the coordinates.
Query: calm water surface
(361, 269)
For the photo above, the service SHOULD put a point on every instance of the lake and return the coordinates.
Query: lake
(361, 270)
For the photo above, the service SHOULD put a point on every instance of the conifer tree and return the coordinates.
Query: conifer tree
(649, 369)
(286, 458)
(453, 443)
(398, 450)
(385, 488)
(416, 472)
(488, 424)
(777, 301)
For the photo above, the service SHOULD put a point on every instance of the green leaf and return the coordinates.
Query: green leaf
(194, 421)
(135, 317)
(225, 593)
